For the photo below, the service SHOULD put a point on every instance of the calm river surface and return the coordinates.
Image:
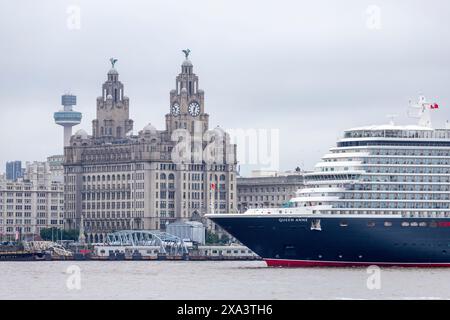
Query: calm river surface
(212, 280)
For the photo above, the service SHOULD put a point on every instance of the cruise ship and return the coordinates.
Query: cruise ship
(381, 196)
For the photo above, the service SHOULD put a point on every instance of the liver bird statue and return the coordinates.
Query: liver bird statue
(113, 61)
(186, 52)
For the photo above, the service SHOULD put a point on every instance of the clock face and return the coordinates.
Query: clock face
(175, 109)
(194, 109)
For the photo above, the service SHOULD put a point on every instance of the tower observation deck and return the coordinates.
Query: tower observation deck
(67, 117)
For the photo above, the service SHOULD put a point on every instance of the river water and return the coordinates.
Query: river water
(213, 280)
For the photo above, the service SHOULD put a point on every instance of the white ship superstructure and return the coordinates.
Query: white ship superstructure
(387, 169)
(380, 197)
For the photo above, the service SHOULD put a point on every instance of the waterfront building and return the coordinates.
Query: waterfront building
(117, 180)
(30, 203)
(14, 170)
(268, 189)
(56, 167)
(192, 231)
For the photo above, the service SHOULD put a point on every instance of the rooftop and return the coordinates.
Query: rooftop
(391, 127)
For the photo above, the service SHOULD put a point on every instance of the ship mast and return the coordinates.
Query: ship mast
(420, 110)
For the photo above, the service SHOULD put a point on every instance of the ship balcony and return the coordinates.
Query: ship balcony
(333, 177)
(300, 192)
(268, 211)
(341, 164)
(352, 155)
(336, 172)
(318, 198)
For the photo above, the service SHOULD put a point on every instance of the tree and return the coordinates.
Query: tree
(46, 234)
(224, 239)
(211, 238)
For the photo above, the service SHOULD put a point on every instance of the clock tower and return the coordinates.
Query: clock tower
(187, 109)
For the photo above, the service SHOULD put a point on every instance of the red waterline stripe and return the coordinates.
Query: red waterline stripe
(315, 263)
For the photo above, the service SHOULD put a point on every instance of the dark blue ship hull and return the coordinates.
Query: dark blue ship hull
(293, 241)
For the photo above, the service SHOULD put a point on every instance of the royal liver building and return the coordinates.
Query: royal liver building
(115, 180)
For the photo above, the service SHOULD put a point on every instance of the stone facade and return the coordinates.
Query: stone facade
(118, 181)
(31, 203)
(271, 191)
(56, 167)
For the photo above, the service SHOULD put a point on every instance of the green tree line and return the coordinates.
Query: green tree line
(46, 234)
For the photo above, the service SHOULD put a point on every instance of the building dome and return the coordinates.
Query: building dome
(219, 128)
(81, 134)
(150, 128)
(219, 132)
(187, 63)
(113, 71)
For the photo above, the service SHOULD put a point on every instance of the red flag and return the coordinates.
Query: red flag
(213, 186)
(434, 106)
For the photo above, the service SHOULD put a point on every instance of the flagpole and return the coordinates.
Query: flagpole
(212, 189)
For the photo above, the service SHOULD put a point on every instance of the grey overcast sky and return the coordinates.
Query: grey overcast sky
(308, 68)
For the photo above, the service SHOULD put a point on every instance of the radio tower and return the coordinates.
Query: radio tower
(67, 117)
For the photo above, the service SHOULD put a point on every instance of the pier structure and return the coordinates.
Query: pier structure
(168, 244)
